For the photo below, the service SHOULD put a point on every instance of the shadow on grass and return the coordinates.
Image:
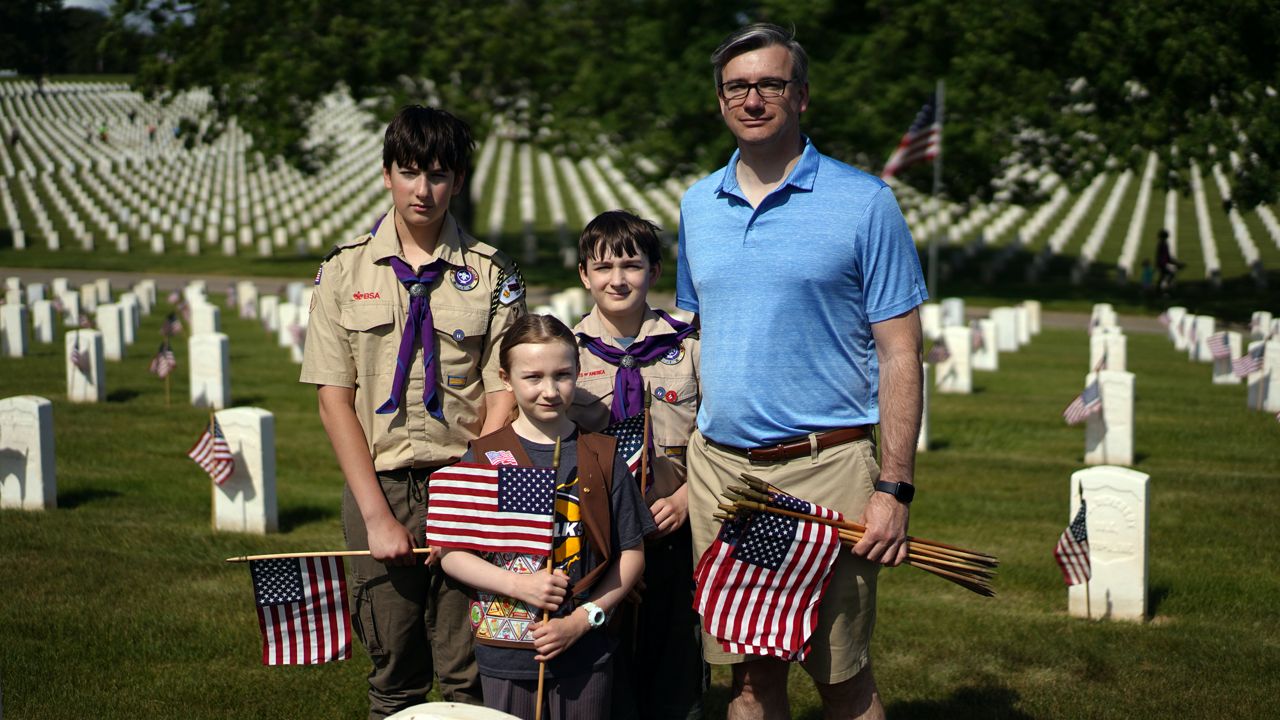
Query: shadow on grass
(985, 701)
(942, 444)
(122, 395)
(295, 517)
(246, 400)
(76, 498)
(1155, 596)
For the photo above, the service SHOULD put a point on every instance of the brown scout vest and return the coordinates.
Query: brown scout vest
(595, 479)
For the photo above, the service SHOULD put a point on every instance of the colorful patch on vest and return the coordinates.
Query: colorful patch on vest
(456, 381)
(512, 289)
(465, 278)
(501, 457)
(673, 356)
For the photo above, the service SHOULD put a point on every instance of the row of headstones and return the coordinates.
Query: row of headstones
(1192, 333)
(27, 312)
(970, 345)
(245, 502)
(1109, 433)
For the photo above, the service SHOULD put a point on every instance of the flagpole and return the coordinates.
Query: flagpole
(321, 553)
(937, 190)
(213, 486)
(546, 614)
(644, 447)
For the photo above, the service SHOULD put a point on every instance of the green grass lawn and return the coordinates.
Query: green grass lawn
(118, 604)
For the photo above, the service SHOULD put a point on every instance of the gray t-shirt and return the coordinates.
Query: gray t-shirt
(631, 521)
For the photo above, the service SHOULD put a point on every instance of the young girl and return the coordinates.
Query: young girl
(598, 554)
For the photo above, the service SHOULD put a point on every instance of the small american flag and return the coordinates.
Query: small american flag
(1072, 552)
(1218, 346)
(212, 453)
(501, 457)
(78, 358)
(164, 361)
(172, 326)
(86, 322)
(921, 143)
(231, 296)
(630, 436)
(491, 509)
(302, 610)
(760, 583)
(174, 297)
(976, 340)
(1249, 363)
(938, 353)
(1086, 403)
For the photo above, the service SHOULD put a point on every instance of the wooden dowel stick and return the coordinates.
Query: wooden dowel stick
(322, 553)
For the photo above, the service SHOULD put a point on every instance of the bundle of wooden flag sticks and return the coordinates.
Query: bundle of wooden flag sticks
(969, 569)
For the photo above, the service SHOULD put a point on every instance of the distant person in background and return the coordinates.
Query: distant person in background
(1166, 263)
(1146, 275)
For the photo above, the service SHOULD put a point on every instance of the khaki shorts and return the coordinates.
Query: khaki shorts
(840, 478)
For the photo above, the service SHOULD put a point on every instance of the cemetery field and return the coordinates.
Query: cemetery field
(118, 603)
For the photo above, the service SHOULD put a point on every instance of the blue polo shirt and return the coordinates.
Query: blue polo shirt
(787, 293)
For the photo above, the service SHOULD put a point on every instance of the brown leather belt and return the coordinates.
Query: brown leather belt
(799, 447)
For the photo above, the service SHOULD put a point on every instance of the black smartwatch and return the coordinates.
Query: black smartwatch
(903, 492)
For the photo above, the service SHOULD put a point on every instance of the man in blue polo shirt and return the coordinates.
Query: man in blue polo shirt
(805, 280)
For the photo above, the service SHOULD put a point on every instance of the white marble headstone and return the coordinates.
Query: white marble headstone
(922, 441)
(268, 306)
(206, 318)
(60, 286)
(87, 384)
(1199, 351)
(210, 360)
(88, 298)
(1033, 315)
(1116, 516)
(955, 374)
(35, 293)
(110, 321)
(71, 308)
(293, 291)
(246, 502)
(247, 298)
(1222, 373)
(27, 480)
(1259, 325)
(953, 312)
(986, 356)
(1103, 316)
(1022, 324)
(1108, 348)
(15, 330)
(286, 316)
(1271, 376)
(1176, 315)
(931, 321)
(1006, 323)
(132, 315)
(103, 286)
(43, 319)
(1108, 434)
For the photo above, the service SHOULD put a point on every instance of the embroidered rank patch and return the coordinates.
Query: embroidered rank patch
(512, 289)
(456, 381)
(319, 272)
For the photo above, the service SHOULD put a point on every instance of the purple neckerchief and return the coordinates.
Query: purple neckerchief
(418, 325)
(628, 385)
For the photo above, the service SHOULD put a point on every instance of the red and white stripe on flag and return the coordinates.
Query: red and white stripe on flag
(1072, 552)
(760, 583)
(491, 509)
(1218, 346)
(921, 143)
(302, 610)
(212, 453)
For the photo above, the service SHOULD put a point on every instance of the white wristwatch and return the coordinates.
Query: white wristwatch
(595, 616)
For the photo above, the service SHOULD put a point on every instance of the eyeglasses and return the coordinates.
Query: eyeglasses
(766, 88)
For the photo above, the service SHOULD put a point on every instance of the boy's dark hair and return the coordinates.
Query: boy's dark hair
(420, 136)
(535, 330)
(621, 233)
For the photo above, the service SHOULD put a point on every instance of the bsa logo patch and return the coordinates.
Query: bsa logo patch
(673, 356)
(357, 295)
(465, 278)
(512, 290)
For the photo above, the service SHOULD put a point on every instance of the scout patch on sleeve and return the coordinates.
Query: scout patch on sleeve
(319, 272)
(512, 288)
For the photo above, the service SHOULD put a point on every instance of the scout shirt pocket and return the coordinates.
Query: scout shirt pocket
(374, 337)
(674, 410)
(591, 401)
(460, 336)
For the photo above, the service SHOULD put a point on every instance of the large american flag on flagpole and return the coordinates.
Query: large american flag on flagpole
(920, 144)
(212, 453)
(760, 583)
(1072, 552)
(302, 610)
(491, 509)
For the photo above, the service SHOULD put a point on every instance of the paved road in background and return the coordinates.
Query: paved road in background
(537, 295)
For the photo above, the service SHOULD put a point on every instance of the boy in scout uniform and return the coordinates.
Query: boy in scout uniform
(624, 347)
(395, 413)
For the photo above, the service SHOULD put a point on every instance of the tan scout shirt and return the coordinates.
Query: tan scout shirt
(358, 316)
(673, 384)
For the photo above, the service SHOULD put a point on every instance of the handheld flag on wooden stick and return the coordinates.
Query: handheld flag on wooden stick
(491, 509)
(164, 361)
(302, 610)
(1072, 552)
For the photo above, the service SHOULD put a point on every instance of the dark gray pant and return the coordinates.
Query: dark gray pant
(580, 697)
(413, 621)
